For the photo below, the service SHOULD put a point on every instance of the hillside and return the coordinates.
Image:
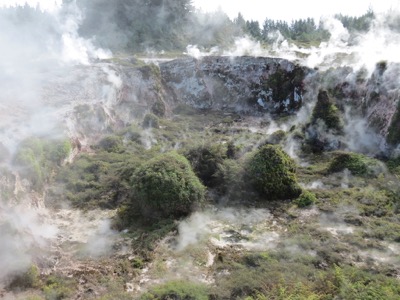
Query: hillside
(339, 238)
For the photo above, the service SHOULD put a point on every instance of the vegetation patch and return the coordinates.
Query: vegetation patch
(273, 173)
(150, 121)
(179, 290)
(37, 158)
(306, 198)
(166, 186)
(327, 111)
(393, 136)
(356, 163)
(205, 160)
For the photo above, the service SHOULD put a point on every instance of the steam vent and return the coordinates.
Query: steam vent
(156, 150)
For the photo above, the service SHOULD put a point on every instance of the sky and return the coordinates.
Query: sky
(44, 4)
(293, 9)
(274, 9)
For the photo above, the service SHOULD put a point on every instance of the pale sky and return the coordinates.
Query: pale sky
(294, 9)
(275, 9)
(45, 4)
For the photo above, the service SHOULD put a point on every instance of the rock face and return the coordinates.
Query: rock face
(382, 101)
(242, 84)
(98, 99)
(376, 98)
(91, 101)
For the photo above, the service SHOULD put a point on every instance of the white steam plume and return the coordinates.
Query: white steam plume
(36, 48)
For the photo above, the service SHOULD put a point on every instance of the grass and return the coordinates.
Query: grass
(309, 261)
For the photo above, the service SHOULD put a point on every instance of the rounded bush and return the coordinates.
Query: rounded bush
(306, 199)
(393, 136)
(150, 121)
(327, 111)
(205, 160)
(179, 290)
(356, 163)
(111, 143)
(167, 186)
(272, 173)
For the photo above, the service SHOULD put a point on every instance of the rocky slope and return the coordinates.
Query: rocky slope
(101, 98)
(242, 102)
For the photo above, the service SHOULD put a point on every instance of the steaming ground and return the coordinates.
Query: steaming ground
(206, 238)
(43, 102)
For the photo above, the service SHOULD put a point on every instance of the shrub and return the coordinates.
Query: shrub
(205, 160)
(327, 111)
(394, 165)
(229, 177)
(38, 157)
(272, 173)
(111, 143)
(276, 137)
(356, 163)
(57, 151)
(57, 288)
(29, 279)
(179, 290)
(393, 136)
(306, 198)
(167, 186)
(150, 121)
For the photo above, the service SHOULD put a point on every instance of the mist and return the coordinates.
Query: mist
(38, 48)
(73, 74)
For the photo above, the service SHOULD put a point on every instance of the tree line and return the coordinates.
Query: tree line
(170, 25)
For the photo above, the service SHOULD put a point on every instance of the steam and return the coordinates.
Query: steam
(228, 226)
(76, 49)
(24, 235)
(35, 51)
(364, 50)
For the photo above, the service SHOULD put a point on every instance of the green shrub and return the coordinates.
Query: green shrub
(38, 157)
(99, 180)
(394, 165)
(111, 143)
(57, 150)
(276, 137)
(327, 112)
(178, 290)
(56, 288)
(272, 173)
(167, 186)
(29, 279)
(205, 160)
(306, 198)
(356, 163)
(150, 121)
(393, 136)
(229, 177)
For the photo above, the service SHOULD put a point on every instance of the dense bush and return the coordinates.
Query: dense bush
(205, 160)
(150, 121)
(327, 111)
(306, 199)
(276, 137)
(100, 180)
(29, 279)
(393, 136)
(178, 290)
(38, 157)
(167, 186)
(111, 143)
(272, 173)
(394, 165)
(356, 163)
